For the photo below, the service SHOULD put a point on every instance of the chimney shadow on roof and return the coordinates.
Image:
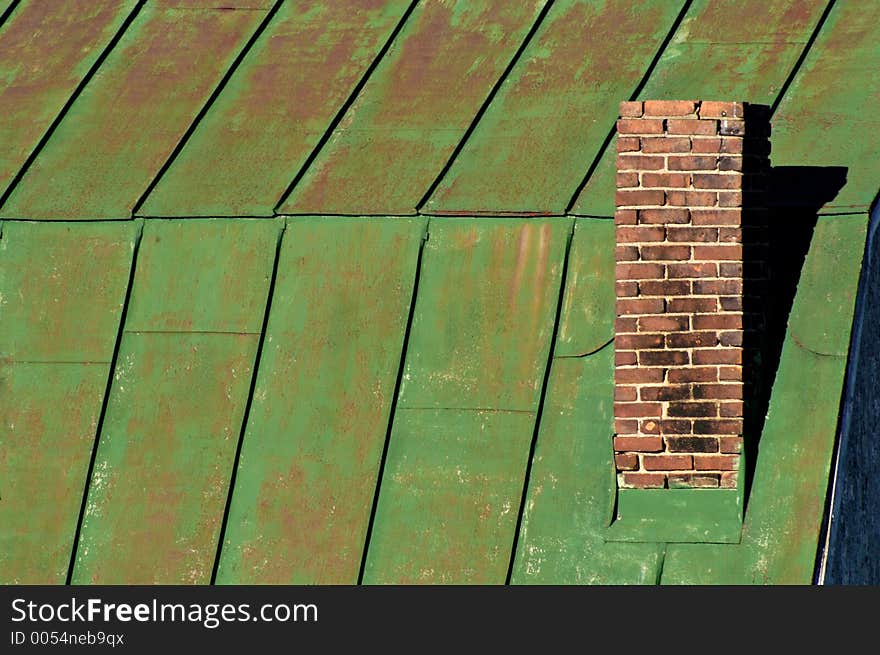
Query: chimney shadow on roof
(780, 208)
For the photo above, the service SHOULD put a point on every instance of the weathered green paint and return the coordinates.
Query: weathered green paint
(311, 454)
(164, 460)
(405, 124)
(484, 318)
(176, 406)
(203, 275)
(449, 498)
(62, 287)
(555, 108)
(475, 362)
(48, 417)
(255, 137)
(133, 112)
(677, 515)
(723, 50)
(572, 486)
(32, 96)
(825, 118)
(61, 294)
(786, 504)
(587, 319)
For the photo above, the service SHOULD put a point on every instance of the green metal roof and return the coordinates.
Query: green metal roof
(323, 291)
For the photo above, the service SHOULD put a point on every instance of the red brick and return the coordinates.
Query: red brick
(638, 375)
(628, 144)
(717, 181)
(625, 324)
(663, 216)
(675, 426)
(692, 339)
(730, 164)
(651, 426)
(639, 198)
(731, 339)
(626, 461)
(729, 373)
(644, 480)
(718, 356)
(631, 108)
(626, 426)
(720, 217)
(625, 359)
(730, 234)
(637, 410)
(640, 271)
(670, 107)
(728, 127)
(625, 180)
(731, 444)
(732, 145)
(665, 392)
(717, 287)
(625, 217)
(718, 392)
(664, 287)
(691, 198)
(693, 234)
(731, 252)
(626, 289)
(692, 126)
(663, 358)
(679, 180)
(667, 253)
(667, 462)
(730, 270)
(663, 323)
(625, 394)
(640, 234)
(692, 163)
(638, 444)
(640, 306)
(662, 144)
(728, 480)
(694, 374)
(722, 426)
(694, 480)
(730, 199)
(691, 444)
(639, 341)
(718, 322)
(626, 253)
(704, 269)
(712, 109)
(640, 163)
(707, 145)
(640, 126)
(691, 305)
(731, 304)
(692, 409)
(731, 409)
(715, 462)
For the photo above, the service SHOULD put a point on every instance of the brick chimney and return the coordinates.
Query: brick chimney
(679, 281)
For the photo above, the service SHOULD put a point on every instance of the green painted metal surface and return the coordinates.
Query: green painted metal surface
(31, 97)
(572, 485)
(133, 112)
(470, 388)
(785, 507)
(405, 124)
(61, 295)
(586, 323)
(824, 119)
(555, 107)
(723, 50)
(484, 319)
(311, 454)
(253, 140)
(174, 415)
